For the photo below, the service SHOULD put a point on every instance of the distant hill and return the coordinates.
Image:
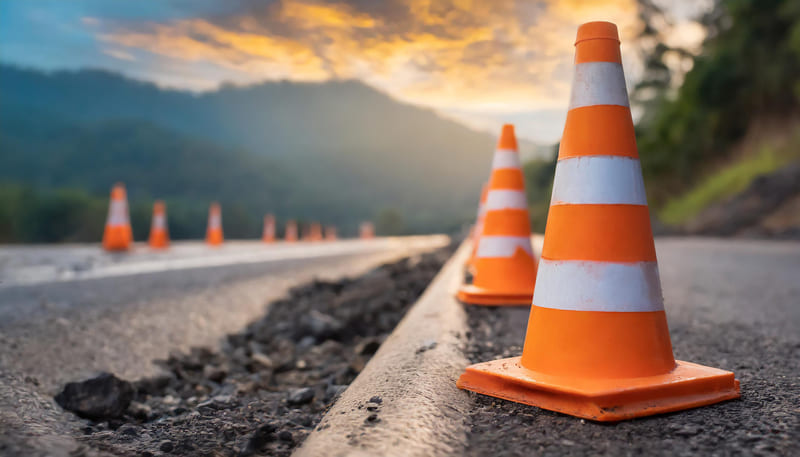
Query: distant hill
(337, 150)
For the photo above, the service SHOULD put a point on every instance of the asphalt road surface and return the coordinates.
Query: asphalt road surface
(731, 304)
(68, 312)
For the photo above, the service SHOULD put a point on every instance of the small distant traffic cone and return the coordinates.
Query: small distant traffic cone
(330, 233)
(504, 267)
(315, 231)
(269, 229)
(118, 235)
(214, 235)
(478, 227)
(366, 231)
(159, 235)
(291, 232)
(598, 344)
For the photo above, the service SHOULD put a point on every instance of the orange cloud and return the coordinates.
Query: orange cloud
(458, 56)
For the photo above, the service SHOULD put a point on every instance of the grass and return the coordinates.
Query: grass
(726, 182)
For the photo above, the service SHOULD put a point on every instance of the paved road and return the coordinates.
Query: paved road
(732, 304)
(118, 312)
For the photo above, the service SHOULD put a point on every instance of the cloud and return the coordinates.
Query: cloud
(468, 58)
(119, 54)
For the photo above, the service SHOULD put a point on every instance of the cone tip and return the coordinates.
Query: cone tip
(598, 30)
(159, 206)
(118, 191)
(507, 138)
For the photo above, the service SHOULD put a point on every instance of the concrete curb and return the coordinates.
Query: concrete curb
(405, 401)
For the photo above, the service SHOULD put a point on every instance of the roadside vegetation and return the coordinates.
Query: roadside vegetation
(748, 71)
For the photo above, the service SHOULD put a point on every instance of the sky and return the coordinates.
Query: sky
(481, 62)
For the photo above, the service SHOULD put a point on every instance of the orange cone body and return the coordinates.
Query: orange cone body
(315, 231)
(159, 235)
(118, 235)
(214, 235)
(598, 344)
(366, 231)
(504, 268)
(330, 233)
(291, 232)
(478, 227)
(269, 229)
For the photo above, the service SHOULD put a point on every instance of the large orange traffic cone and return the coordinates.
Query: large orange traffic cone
(478, 227)
(597, 344)
(118, 235)
(504, 268)
(214, 235)
(366, 230)
(290, 236)
(330, 233)
(269, 229)
(159, 235)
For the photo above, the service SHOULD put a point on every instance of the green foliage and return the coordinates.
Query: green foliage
(714, 188)
(748, 69)
(62, 215)
(337, 152)
(389, 222)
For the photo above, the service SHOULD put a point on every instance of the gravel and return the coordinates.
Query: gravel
(265, 388)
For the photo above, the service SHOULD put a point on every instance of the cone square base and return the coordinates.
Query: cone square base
(605, 400)
(474, 295)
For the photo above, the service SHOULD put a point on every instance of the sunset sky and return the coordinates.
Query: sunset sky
(478, 61)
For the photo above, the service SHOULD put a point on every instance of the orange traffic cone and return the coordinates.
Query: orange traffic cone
(504, 268)
(315, 231)
(597, 344)
(366, 231)
(330, 233)
(159, 236)
(269, 229)
(214, 235)
(291, 232)
(478, 227)
(118, 235)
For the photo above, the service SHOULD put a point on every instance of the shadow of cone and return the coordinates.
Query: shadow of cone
(597, 344)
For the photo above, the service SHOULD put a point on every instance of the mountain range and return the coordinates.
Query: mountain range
(338, 151)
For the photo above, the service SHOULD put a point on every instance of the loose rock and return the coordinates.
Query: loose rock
(102, 397)
(300, 396)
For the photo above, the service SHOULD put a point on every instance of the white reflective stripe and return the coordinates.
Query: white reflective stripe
(215, 221)
(505, 199)
(598, 180)
(577, 285)
(159, 221)
(118, 212)
(502, 246)
(598, 83)
(505, 158)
